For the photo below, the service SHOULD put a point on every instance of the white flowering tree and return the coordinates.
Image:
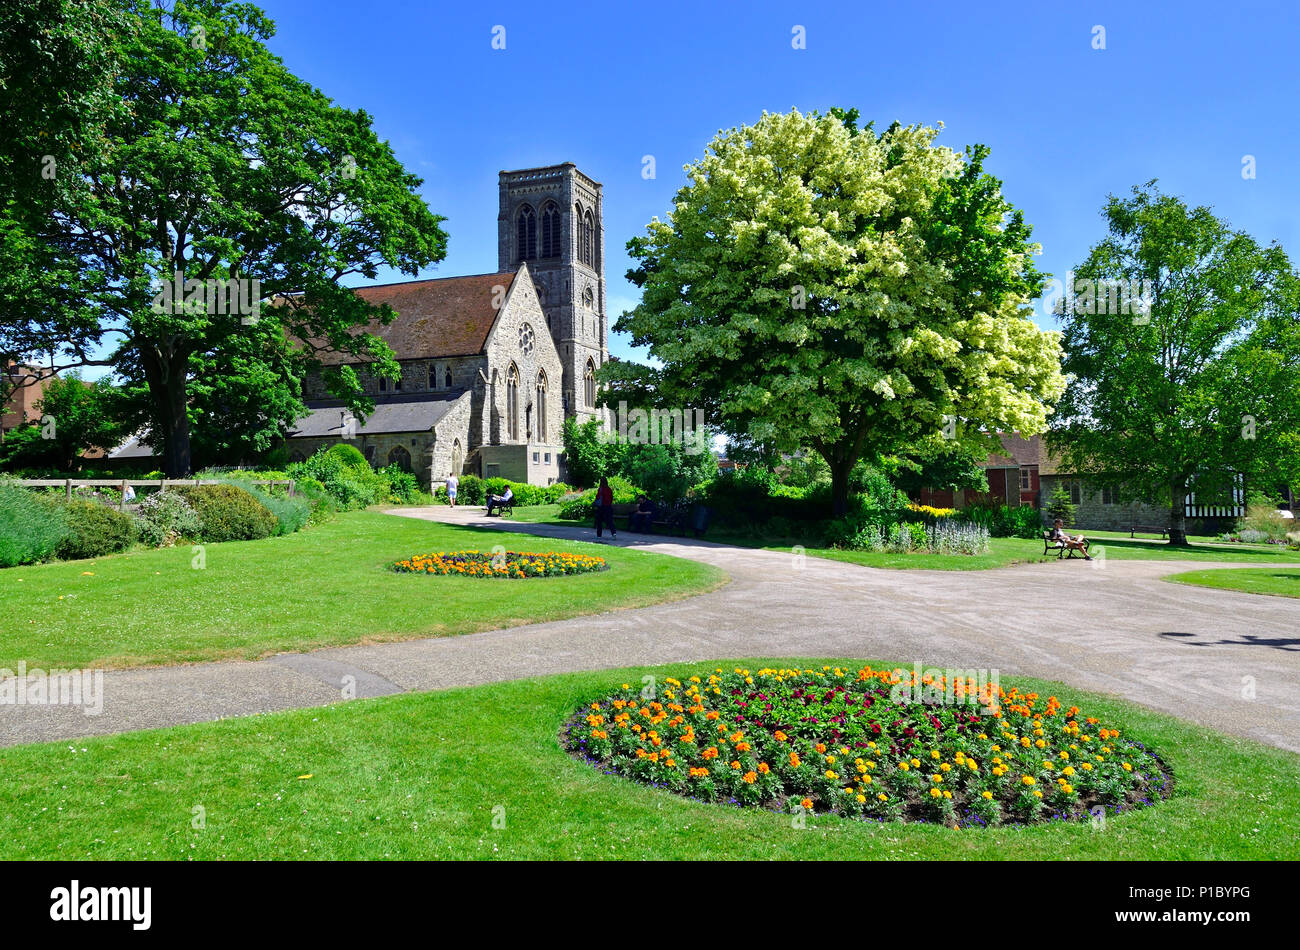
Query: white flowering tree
(819, 285)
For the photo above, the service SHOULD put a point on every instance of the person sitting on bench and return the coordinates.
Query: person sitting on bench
(1070, 544)
(643, 518)
(505, 500)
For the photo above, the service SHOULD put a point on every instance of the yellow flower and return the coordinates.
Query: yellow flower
(935, 793)
(1027, 779)
(987, 794)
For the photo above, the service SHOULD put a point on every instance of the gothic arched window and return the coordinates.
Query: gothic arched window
(541, 406)
(433, 376)
(401, 458)
(512, 403)
(587, 240)
(589, 384)
(550, 230)
(446, 379)
(526, 234)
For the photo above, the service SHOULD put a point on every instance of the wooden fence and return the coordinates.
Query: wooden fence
(162, 484)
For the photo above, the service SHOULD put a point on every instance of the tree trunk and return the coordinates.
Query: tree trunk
(840, 470)
(167, 380)
(1178, 514)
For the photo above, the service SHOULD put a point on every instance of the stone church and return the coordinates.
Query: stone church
(492, 364)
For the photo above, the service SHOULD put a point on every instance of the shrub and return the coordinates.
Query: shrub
(1003, 521)
(403, 486)
(165, 519)
(346, 475)
(291, 514)
(30, 527)
(1262, 521)
(579, 509)
(94, 530)
(349, 455)
(228, 513)
(471, 491)
(322, 503)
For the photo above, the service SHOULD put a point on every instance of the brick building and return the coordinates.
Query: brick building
(22, 387)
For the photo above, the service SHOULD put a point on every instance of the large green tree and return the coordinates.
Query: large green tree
(223, 168)
(79, 415)
(1199, 386)
(856, 292)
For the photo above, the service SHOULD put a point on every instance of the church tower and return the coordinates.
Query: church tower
(553, 218)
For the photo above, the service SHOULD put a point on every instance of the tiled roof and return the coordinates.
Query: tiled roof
(450, 316)
(1020, 451)
(398, 414)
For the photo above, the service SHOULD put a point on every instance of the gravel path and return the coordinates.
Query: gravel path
(1227, 660)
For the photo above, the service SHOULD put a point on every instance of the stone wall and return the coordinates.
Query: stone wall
(522, 308)
(1094, 514)
(451, 430)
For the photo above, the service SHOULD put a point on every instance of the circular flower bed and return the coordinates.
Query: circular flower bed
(871, 744)
(501, 564)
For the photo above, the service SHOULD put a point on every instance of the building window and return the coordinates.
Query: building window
(446, 379)
(1026, 479)
(457, 457)
(401, 458)
(536, 457)
(541, 407)
(526, 338)
(370, 454)
(587, 242)
(1109, 496)
(433, 376)
(526, 234)
(512, 404)
(589, 384)
(1076, 493)
(589, 298)
(383, 384)
(550, 231)
(548, 458)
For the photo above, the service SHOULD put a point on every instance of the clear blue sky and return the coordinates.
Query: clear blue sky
(1181, 92)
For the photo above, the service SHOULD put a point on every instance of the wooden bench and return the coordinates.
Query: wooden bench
(508, 508)
(669, 518)
(1050, 544)
(1147, 529)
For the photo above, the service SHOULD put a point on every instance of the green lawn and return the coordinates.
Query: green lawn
(424, 775)
(325, 586)
(1003, 552)
(1280, 582)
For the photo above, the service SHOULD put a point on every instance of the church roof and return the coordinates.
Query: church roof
(417, 413)
(448, 316)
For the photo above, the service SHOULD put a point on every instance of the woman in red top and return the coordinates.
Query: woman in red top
(604, 508)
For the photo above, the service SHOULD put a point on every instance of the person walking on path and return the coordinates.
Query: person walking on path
(453, 485)
(604, 508)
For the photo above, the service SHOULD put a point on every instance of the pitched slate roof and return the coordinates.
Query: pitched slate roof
(449, 316)
(416, 413)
